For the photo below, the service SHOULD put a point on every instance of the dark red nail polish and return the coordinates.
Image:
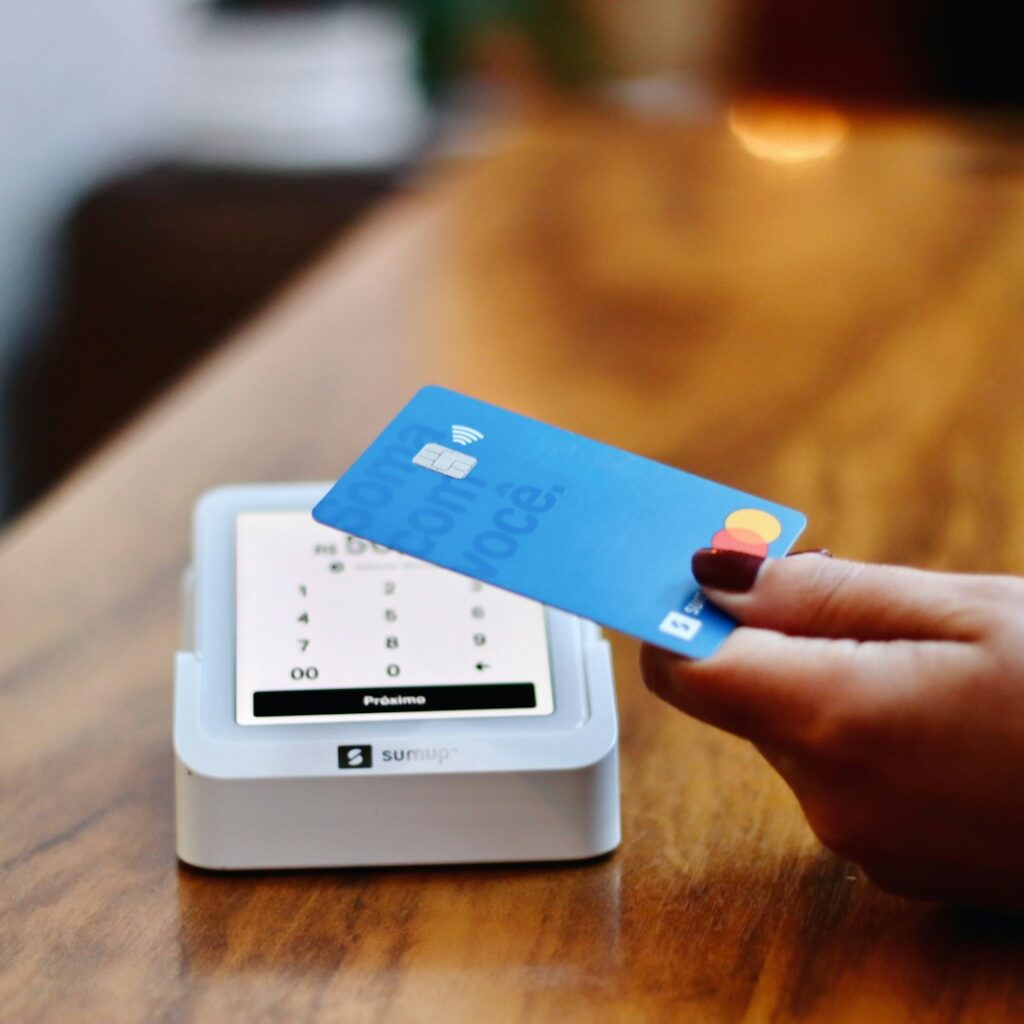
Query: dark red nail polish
(726, 570)
(812, 551)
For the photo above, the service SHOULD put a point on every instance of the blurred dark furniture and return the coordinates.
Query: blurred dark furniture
(950, 52)
(159, 266)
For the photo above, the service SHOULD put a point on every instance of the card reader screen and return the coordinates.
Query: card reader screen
(331, 628)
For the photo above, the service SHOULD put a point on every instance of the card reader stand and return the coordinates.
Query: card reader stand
(388, 791)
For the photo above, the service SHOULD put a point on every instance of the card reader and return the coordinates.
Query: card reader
(338, 703)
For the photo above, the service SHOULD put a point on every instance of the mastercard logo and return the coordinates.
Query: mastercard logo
(749, 530)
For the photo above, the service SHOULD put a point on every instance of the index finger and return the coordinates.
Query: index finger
(794, 692)
(762, 685)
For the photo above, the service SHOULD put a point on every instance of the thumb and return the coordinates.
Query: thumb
(819, 596)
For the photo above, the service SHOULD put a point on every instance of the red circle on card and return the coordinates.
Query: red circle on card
(738, 539)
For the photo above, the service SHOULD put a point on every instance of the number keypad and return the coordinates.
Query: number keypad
(322, 611)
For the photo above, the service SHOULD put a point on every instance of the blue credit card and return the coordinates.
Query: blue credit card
(570, 522)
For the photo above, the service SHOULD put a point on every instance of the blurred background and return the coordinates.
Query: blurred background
(168, 164)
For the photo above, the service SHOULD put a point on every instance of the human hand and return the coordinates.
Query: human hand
(890, 700)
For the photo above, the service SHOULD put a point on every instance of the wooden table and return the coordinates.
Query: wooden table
(841, 334)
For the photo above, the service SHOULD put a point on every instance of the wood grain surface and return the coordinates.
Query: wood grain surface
(842, 335)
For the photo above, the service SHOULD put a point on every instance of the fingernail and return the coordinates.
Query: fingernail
(726, 570)
(812, 551)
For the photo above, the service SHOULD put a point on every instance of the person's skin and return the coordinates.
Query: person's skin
(890, 700)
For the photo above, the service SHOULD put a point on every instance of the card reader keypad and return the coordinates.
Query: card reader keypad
(333, 628)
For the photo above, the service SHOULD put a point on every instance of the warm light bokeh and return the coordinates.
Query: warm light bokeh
(787, 132)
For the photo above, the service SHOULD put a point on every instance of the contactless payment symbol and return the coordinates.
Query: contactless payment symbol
(748, 530)
(465, 435)
(447, 461)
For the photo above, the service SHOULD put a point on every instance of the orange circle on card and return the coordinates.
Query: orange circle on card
(738, 539)
(756, 520)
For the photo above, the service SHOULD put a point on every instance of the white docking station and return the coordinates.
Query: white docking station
(341, 704)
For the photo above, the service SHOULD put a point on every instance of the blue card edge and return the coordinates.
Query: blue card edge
(568, 433)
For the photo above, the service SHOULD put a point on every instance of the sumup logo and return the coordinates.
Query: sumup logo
(683, 627)
(420, 755)
(362, 756)
(355, 757)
